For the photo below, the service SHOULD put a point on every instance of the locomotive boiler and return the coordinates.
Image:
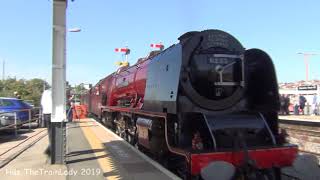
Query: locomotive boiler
(201, 104)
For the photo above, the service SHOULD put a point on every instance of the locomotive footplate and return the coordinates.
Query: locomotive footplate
(263, 158)
(241, 140)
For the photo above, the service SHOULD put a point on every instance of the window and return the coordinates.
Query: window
(23, 104)
(6, 102)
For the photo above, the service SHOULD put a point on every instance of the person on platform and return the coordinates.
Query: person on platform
(315, 104)
(286, 104)
(46, 104)
(282, 104)
(296, 105)
(17, 95)
(302, 103)
(70, 107)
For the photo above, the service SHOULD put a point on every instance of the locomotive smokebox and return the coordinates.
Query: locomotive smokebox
(207, 67)
(212, 73)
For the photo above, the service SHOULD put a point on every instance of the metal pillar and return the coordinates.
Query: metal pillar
(3, 70)
(57, 134)
(306, 57)
(306, 61)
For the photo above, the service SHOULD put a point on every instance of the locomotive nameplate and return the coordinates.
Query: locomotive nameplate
(218, 60)
(217, 40)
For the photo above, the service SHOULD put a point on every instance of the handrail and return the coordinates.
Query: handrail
(21, 123)
(20, 110)
(31, 118)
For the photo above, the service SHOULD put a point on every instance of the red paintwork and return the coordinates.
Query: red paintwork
(129, 83)
(96, 95)
(95, 99)
(136, 111)
(264, 158)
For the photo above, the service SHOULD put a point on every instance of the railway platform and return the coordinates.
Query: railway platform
(93, 152)
(307, 118)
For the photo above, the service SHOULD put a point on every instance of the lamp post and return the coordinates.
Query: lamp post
(3, 70)
(57, 126)
(306, 57)
(57, 131)
(74, 30)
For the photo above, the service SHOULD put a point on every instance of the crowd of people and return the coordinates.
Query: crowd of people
(297, 104)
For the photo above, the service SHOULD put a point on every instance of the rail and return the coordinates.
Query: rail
(304, 133)
(34, 115)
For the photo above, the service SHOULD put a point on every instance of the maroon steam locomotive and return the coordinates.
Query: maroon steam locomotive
(201, 101)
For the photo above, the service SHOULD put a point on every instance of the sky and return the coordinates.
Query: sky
(281, 28)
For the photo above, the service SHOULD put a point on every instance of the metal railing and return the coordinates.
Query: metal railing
(308, 110)
(34, 115)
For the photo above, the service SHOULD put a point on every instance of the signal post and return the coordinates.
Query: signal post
(126, 52)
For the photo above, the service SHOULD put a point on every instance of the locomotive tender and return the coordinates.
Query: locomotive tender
(205, 99)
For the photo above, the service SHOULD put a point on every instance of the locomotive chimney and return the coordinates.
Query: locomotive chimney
(187, 35)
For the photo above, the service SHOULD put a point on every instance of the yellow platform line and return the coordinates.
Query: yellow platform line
(103, 157)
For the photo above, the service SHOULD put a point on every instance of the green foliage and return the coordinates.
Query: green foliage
(28, 89)
(78, 90)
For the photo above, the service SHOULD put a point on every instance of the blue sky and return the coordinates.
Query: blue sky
(281, 28)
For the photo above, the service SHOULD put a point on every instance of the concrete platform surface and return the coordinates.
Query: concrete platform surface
(93, 152)
(97, 153)
(33, 164)
(300, 118)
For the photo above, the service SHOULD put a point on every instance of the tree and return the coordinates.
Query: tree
(28, 89)
(78, 90)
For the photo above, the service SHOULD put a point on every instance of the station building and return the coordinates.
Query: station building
(307, 89)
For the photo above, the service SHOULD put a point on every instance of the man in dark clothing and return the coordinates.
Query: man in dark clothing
(286, 104)
(282, 104)
(302, 102)
(70, 108)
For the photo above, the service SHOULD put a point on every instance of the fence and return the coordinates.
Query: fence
(34, 115)
(308, 109)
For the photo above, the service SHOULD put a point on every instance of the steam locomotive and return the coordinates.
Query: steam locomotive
(204, 107)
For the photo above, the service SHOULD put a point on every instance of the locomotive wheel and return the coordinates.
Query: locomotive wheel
(130, 139)
(120, 131)
(120, 126)
(103, 120)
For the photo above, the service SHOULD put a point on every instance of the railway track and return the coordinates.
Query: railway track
(305, 134)
(15, 150)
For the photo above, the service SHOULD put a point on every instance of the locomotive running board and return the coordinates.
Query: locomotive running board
(174, 150)
(133, 110)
